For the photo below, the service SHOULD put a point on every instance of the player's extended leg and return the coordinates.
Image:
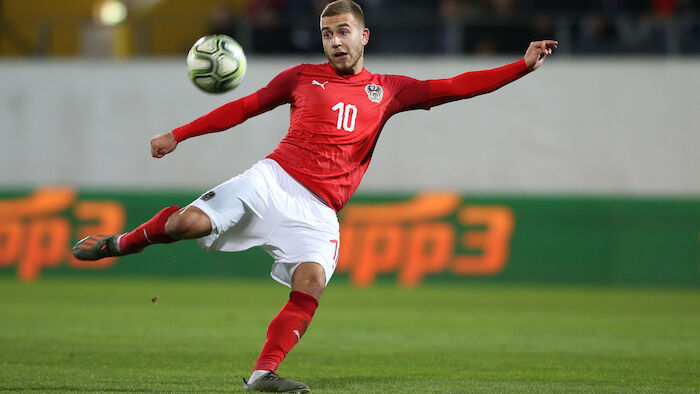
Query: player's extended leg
(169, 225)
(286, 329)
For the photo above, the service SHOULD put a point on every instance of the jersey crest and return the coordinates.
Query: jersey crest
(374, 92)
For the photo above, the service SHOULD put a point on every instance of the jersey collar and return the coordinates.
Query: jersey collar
(362, 75)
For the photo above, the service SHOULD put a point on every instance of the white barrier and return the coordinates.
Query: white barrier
(575, 126)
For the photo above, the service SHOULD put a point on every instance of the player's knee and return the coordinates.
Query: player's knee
(313, 287)
(175, 226)
(187, 224)
(316, 285)
(309, 278)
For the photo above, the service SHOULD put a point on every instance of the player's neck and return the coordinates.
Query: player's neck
(354, 70)
(359, 66)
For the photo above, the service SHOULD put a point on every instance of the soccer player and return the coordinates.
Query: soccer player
(287, 203)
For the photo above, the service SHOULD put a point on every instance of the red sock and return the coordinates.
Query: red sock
(151, 232)
(286, 329)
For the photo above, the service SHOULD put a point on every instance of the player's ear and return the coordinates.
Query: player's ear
(365, 36)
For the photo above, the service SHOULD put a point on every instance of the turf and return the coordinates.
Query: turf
(72, 335)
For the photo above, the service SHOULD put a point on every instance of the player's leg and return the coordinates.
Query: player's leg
(169, 225)
(304, 244)
(287, 328)
(211, 214)
(214, 212)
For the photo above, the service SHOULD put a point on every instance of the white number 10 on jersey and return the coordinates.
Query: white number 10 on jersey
(346, 116)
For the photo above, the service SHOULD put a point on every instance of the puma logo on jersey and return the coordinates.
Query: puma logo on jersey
(296, 332)
(315, 82)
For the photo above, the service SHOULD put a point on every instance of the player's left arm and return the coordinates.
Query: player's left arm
(426, 94)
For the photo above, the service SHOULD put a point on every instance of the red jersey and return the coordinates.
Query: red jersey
(336, 119)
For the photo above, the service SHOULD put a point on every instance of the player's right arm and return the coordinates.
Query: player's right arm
(162, 144)
(277, 92)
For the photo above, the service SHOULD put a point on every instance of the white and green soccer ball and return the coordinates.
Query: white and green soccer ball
(216, 63)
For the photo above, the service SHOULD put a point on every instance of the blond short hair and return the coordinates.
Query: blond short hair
(338, 7)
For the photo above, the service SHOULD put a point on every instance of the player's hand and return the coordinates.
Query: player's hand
(162, 144)
(537, 52)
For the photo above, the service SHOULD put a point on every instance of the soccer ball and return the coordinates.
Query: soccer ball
(216, 63)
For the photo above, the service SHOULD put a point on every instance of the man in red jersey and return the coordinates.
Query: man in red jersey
(287, 203)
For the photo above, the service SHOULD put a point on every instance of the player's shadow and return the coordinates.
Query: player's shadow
(345, 384)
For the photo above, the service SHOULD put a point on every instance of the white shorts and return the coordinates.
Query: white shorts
(266, 207)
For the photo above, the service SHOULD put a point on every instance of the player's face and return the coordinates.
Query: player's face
(344, 42)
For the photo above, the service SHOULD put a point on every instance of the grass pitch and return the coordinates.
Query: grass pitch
(72, 335)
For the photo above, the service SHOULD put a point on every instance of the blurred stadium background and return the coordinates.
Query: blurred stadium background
(459, 27)
(584, 173)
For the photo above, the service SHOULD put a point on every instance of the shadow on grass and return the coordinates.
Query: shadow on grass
(357, 384)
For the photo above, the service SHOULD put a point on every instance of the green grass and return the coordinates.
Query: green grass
(72, 335)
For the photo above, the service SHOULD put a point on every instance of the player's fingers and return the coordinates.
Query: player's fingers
(157, 151)
(545, 48)
(535, 45)
(535, 48)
